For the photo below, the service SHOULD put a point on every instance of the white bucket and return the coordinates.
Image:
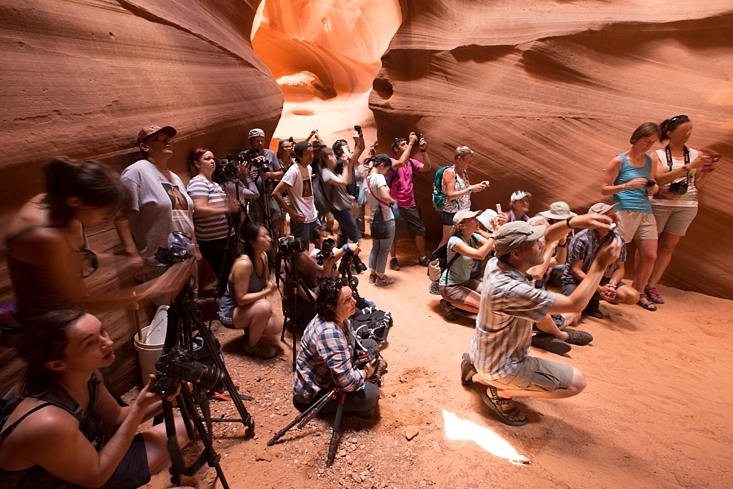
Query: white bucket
(149, 352)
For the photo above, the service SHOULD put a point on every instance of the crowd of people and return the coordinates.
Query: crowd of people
(499, 266)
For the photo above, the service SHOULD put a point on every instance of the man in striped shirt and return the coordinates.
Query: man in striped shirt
(510, 305)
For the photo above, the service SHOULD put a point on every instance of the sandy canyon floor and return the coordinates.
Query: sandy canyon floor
(655, 413)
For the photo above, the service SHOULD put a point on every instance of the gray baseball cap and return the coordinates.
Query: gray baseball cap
(512, 234)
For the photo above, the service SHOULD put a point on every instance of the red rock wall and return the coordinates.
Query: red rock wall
(81, 79)
(548, 92)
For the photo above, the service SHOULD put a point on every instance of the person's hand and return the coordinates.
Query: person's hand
(499, 221)
(412, 139)
(609, 253)
(296, 216)
(635, 183)
(370, 367)
(423, 144)
(354, 248)
(271, 287)
(607, 292)
(313, 133)
(653, 190)
(485, 184)
(591, 221)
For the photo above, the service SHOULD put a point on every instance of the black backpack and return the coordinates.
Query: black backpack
(370, 323)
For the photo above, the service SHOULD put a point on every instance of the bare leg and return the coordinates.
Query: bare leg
(667, 244)
(447, 231)
(547, 325)
(420, 242)
(255, 317)
(472, 302)
(156, 444)
(571, 318)
(576, 387)
(647, 256)
(627, 295)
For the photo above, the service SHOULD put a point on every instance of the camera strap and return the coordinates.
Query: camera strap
(670, 161)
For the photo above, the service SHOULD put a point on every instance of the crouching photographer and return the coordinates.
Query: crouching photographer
(65, 429)
(325, 243)
(330, 355)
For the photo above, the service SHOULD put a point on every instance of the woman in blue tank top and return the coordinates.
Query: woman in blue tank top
(630, 178)
(245, 304)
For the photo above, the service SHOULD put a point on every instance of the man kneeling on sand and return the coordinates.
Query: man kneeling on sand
(582, 251)
(509, 305)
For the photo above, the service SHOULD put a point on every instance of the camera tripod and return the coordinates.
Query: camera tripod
(183, 318)
(291, 284)
(310, 413)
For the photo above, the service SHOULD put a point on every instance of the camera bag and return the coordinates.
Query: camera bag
(371, 323)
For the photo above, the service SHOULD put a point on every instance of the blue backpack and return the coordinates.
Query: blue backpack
(439, 196)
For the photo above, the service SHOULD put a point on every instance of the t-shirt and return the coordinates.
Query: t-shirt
(376, 180)
(460, 270)
(162, 206)
(336, 194)
(213, 227)
(666, 198)
(584, 247)
(301, 192)
(402, 189)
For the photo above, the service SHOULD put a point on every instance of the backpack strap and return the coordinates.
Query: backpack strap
(455, 257)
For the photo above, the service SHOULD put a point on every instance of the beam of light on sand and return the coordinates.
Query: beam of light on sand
(463, 429)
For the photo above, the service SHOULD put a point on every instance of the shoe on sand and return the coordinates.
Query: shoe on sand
(548, 342)
(580, 338)
(394, 264)
(467, 370)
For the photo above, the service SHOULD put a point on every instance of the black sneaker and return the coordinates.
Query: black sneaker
(548, 342)
(593, 309)
(424, 261)
(449, 311)
(580, 338)
(394, 264)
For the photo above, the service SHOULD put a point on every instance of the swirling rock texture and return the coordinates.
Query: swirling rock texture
(324, 55)
(82, 78)
(547, 92)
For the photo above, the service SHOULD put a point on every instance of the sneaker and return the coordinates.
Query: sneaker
(383, 281)
(372, 277)
(434, 288)
(449, 312)
(546, 341)
(261, 350)
(467, 370)
(580, 338)
(380, 368)
(424, 261)
(653, 294)
(393, 264)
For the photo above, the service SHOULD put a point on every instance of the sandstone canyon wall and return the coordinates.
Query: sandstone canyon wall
(547, 92)
(81, 79)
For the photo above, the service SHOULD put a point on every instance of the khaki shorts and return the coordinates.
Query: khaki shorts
(537, 375)
(456, 294)
(636, 225)
(673, 220)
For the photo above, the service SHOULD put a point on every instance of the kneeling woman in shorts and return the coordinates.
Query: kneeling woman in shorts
(245, 304)
(457, 287)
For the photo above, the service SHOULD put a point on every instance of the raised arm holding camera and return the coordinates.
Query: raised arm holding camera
(56, 433)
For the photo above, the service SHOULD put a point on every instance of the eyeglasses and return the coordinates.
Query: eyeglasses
(90, 262)
(163, 138)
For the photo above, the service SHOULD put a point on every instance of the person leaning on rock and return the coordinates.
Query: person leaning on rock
(509, 305)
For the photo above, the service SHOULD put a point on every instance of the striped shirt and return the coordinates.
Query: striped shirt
(509, 306)
(326, 359)
(211, 227)
(584, 247)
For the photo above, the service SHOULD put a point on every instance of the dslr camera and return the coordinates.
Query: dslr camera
(678, 187)
(178, 366)
(326, 250)
(254, 159)
(290, 245)
(227, 169)
(355, 260)
(180, 248)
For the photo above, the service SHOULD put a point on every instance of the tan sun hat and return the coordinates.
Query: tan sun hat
(558, 211)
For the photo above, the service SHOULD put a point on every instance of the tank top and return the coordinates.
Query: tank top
(668, 199)
(636, 199)
(462, 203)
(35, 477)
(257, 283)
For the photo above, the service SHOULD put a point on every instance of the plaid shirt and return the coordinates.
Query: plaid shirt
(509, 306)
(584, 247)
(326, 359)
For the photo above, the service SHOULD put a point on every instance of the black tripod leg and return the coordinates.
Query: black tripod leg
(303, 418)
(336, 428)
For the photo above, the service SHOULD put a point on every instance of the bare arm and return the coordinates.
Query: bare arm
(406, 153)
(479, 253)
(278, 196)
(123, 230)
(241, 276)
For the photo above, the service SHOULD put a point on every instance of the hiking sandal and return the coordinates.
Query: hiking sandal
(495, 402)
(467, 370)
(646, 303)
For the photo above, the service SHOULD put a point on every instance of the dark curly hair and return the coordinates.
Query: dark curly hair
(44, 341)
(329, 289)
(94, 183)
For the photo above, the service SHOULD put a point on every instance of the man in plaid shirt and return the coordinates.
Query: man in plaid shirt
(510, 305)
(326, 356)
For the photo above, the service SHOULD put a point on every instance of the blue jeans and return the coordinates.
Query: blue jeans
(380, 250)
(347, 224)
(304, 230)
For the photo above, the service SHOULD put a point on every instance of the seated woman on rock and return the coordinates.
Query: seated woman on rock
(456, 286)
(66, 429)
(327, 354)
(245, 304)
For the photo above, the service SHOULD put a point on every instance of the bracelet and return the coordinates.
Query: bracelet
(423, 150)
(567, 222)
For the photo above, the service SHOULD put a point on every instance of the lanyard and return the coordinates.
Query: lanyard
(668, 152)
